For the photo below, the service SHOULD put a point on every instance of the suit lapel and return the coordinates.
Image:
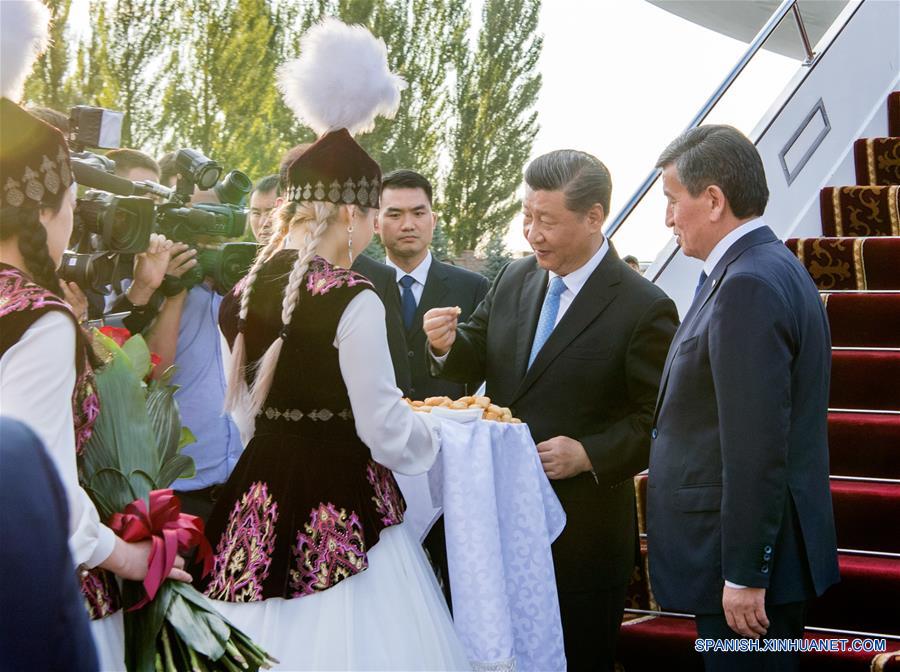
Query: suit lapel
(531, 298)
(436, 288)
(756, 237)
(596, 294)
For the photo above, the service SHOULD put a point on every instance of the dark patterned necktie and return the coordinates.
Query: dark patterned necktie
(703, 277)
(408, 305)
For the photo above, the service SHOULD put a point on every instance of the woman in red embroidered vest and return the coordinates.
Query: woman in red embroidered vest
(312, 558)
(45, 368)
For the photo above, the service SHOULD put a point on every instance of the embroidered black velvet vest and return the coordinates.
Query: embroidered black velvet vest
(306, 501)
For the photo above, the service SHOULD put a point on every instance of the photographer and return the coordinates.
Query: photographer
(262, 202)
(134, 165)
(186, 335)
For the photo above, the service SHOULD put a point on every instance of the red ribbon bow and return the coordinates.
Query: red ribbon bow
(170, 532)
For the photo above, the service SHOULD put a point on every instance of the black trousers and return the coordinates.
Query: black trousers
(785, 622)
(590, 623)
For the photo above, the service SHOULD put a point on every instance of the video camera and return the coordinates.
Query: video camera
(115, 217)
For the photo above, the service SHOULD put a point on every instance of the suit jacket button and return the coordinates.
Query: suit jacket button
(767, 549)
(410, 354)
(765, 568)
(767, 556)
(654, 433)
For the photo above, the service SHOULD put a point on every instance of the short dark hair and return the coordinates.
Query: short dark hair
(268, 184)
(404, 178)
(581, 176)
(126, 159)
(57, 119)
(167, 167)
(287, 160)
(630, 259)
(720, 155)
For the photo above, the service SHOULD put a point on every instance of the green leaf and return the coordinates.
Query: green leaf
(139, 354)
(200, 630)
(122, 436)
(179, 466)
(142, 627)
(141, 484)
(187, 437)
(115, 490)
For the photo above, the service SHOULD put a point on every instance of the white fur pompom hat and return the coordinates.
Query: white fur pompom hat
(338, 86)
(24, 27)
(341, 79)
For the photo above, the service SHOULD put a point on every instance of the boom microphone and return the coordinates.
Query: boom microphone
(92, 178)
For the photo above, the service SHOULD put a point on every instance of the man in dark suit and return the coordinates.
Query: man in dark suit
(573, 341)
(44, 624)
(740, 524)
(406, 225)
(384, 279)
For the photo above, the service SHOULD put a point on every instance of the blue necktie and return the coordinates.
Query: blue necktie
(703, 277)
(408, 305)
(547, 320)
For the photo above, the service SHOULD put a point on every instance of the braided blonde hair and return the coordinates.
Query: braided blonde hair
(313, 218)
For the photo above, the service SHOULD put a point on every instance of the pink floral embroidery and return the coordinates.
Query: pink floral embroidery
(100, 592)
(331, 550)
(18, 293)
(388, 500)
(244, 552)
(322, 277)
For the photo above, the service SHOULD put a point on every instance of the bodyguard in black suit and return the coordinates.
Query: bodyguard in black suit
(573, 341)
(740, 524)
(406, 225)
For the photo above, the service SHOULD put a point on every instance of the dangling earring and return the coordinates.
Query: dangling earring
(350, 243)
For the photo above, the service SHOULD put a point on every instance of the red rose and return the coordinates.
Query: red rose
(117, 334)
(154, 359)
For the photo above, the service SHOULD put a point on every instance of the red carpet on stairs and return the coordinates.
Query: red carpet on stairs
(856, 266)
(850, 263)
(867, 516)
(864, 320)
(864, 444)
(866, 379)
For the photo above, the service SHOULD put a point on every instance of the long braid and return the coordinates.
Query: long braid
(321, 215)
(237, 393)
(32, 242)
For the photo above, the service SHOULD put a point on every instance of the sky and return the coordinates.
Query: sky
(621, 79)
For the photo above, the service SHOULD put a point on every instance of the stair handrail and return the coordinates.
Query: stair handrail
(774, 21)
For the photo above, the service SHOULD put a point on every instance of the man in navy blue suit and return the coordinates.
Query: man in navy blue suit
(43, 624)
(740, 524)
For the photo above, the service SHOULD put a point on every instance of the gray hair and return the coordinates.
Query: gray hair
(583, 178)
(725, 157)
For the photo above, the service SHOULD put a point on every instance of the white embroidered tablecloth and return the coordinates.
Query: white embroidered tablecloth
(500, 517)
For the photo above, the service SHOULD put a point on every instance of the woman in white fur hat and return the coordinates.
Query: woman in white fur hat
(312, 557)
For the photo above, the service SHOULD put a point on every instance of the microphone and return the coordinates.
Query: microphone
(93, 178)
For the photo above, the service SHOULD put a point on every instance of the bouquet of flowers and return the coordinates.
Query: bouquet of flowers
(131, 458)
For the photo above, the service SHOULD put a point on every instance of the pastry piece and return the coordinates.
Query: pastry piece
(484, 402)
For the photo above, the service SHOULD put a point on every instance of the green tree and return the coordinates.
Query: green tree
(123, 69)
(50, 84)
(495, 122)
(440, 246)
(375, 250)
(496, 256)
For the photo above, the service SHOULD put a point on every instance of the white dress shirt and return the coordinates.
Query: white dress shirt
(725, 244)
(419, 274)
(575, 280)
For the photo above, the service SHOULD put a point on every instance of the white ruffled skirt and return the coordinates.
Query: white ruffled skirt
(109, 640)
(392, 616)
